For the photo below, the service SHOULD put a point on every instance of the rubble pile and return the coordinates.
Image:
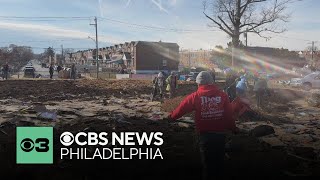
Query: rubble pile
(314, 98)
(283, 96)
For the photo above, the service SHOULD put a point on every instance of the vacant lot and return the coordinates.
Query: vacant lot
(109, 105)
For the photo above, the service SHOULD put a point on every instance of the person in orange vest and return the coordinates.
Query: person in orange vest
(213, 119)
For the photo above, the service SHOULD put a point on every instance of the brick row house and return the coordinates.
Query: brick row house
(138, 57)
(194, 58)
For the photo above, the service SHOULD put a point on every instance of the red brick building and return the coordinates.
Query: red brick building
(139, 57)
(196, 58)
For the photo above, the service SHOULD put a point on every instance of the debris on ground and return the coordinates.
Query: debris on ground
(314, 99)
(262, 130)
(286, 132)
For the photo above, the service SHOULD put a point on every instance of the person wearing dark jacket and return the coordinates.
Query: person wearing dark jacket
(51, 69)
(73, 71)
(231, 83)
(213, 74)
(213, 118)
(5, 70)
(260, 88)
(59, 68)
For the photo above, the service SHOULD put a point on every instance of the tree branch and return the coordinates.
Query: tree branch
(219, 24)
(225, 24)
(238, 16)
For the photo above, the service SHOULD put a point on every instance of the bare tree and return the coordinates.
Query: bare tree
(16, 56)
(236, 17)
(68, 51)
(315, 48)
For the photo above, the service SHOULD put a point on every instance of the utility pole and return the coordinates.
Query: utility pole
(70, 55)
(246, 36)
(312, 48)
(97, 54)
(189, 59)
(62, 55)
(232, 55)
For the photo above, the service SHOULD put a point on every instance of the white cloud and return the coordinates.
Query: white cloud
(204, 40)
(53, 31)
(292, 40)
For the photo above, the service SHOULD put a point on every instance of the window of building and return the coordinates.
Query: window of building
(164, 63)
(129, 63)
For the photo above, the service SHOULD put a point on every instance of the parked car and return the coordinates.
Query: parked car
(273, 75)
(29, 71)
(311, 81)
(295, 82)
(192, 76)
(44, 65)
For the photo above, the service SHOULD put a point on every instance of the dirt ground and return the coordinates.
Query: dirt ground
(108, 105)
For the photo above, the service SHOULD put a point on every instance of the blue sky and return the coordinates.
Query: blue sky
(168, 14)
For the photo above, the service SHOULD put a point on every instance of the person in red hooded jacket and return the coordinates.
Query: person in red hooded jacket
(213, 118)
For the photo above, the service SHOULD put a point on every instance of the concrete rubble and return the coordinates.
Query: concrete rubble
(314, 98)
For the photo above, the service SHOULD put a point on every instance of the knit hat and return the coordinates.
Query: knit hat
(160, 75)
(204, 78)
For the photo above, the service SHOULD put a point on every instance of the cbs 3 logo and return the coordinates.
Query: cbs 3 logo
(40, 145)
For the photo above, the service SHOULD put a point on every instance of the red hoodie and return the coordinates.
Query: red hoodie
(213, 111)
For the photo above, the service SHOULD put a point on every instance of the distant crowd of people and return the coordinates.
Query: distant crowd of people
(73, 70)
(161, 81)
(237, 85)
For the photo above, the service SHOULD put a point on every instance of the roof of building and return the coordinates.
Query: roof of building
(127, 55)
(150, 42)
(116, 57)
(134, 43)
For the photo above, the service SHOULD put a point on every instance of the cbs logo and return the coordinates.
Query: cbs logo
(40, 145)
(89, 138)
(66, 138)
